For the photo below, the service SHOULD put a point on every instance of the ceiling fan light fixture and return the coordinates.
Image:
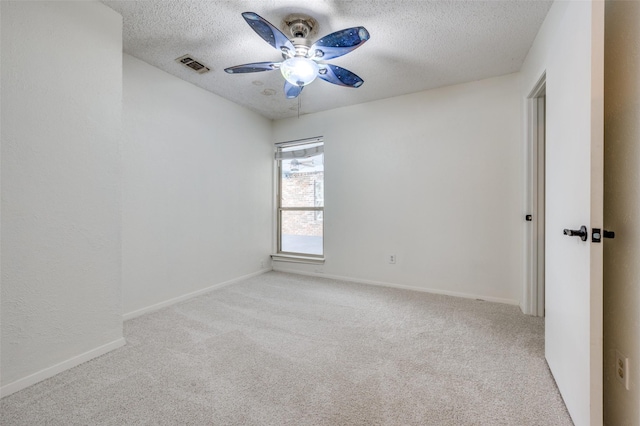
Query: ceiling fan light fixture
(299, 71)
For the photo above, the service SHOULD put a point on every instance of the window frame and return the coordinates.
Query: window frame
(280, 209)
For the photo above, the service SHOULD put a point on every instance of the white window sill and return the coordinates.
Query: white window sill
(297, 258)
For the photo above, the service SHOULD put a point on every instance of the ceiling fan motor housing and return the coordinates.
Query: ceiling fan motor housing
(302, 46)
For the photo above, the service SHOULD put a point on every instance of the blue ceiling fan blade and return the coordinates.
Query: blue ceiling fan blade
(255, 67)
(339, 43)
(338, 75)
(292, 91)
(269, 33)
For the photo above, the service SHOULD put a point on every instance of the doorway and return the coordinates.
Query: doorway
(535, 293)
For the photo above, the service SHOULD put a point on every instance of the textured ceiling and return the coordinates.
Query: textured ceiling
(414, 45)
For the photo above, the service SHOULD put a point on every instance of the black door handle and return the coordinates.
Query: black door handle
(582, 233)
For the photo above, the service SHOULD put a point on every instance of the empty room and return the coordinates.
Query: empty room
(274, 212)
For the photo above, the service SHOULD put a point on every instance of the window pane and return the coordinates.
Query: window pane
(302, 182)
(301, 232)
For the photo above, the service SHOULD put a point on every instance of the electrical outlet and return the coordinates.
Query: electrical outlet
(622, 369)
(391, 258)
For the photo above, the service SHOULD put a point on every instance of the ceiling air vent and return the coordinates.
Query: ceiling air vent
(189, 62)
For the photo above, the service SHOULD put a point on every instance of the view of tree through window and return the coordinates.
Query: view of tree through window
(301, 198)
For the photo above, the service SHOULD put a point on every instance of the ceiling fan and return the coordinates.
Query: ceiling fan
(303, 61)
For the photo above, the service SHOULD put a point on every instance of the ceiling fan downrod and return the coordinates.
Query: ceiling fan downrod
(300, 28)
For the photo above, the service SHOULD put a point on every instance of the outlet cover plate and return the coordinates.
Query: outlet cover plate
(622, 369)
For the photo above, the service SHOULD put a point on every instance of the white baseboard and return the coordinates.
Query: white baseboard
(521, 306)
(402, 286)
(41, 375)
(178, 299)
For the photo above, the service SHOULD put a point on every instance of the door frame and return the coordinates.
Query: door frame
(536, 124)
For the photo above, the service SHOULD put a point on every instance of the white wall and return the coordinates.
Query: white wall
(622, 209)
(197, 189)
(433, 177)
(61, 130)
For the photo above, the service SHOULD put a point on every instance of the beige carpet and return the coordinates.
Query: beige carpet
(283, 349)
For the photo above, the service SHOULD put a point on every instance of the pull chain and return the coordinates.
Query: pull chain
(299, 103)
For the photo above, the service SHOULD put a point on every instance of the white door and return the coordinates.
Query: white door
(574, 197)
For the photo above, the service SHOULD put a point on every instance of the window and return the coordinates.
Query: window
(300, 197)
